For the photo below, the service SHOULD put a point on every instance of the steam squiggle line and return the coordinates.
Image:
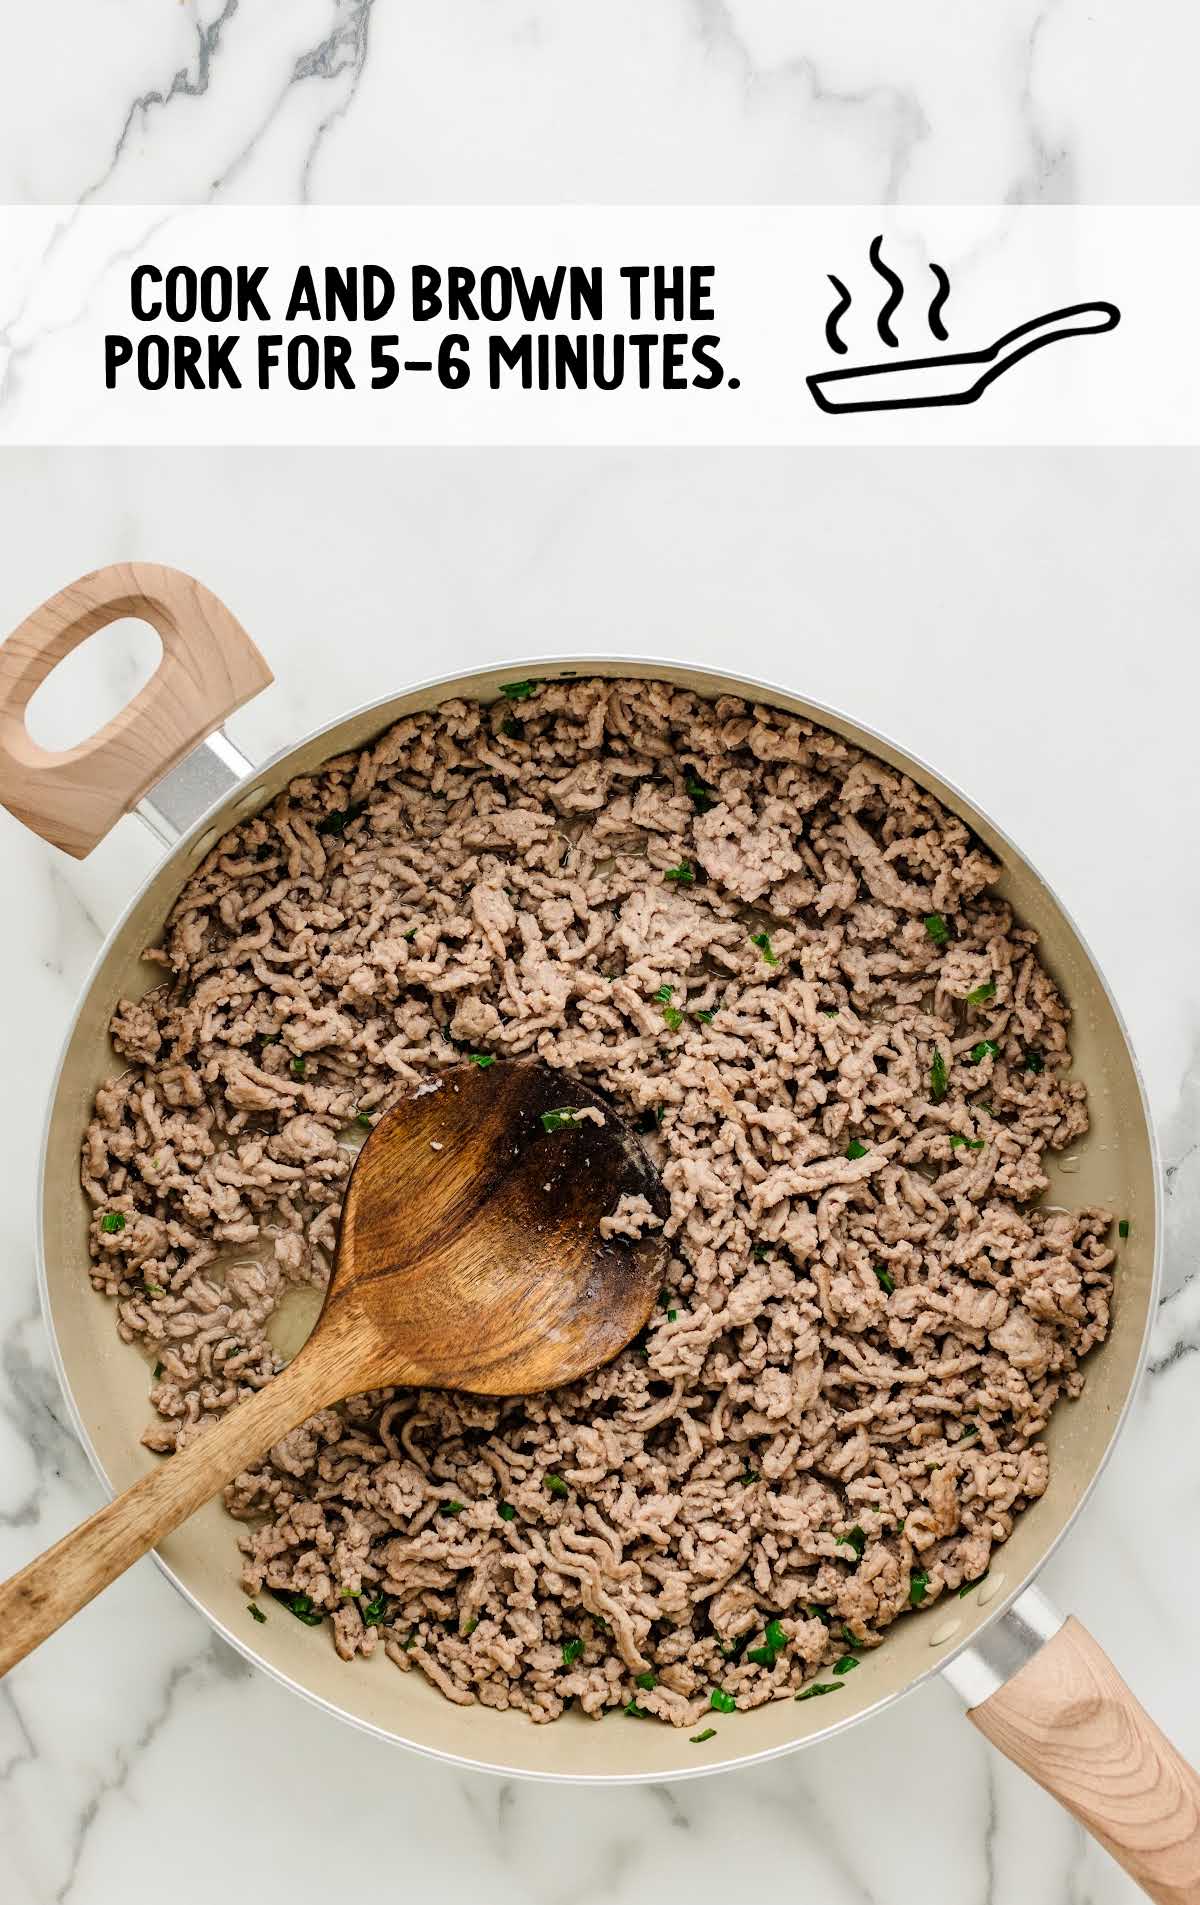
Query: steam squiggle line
(889, 277)
(831, 323)
(939, 298)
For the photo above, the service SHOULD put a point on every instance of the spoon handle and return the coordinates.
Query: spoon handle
(36, 1602)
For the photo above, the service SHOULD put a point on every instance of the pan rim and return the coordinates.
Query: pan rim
(645, 667)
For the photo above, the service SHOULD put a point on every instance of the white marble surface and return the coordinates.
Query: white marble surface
(479, 101)
(1025, 620)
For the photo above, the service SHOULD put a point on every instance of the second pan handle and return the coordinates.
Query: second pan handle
(209, 667)
(1043, 1692)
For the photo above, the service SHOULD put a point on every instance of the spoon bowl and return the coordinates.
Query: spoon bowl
(473, 1254)
(497, 1278)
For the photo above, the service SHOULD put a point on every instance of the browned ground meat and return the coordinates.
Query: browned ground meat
(732, 922)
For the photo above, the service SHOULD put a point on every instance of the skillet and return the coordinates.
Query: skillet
(1039, 1687)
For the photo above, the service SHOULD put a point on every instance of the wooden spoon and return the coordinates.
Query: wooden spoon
(469, 1257)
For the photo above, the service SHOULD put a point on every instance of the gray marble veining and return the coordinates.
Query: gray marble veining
(738, 101)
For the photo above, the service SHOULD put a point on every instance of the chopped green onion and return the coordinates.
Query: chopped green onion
(819, 1613)
(683, 874)
(636, 1712)
(451, 1508)
(709, 1733)
(672, 1017)
(671, 1315)
(556, 1485)
(558, 1120)
(518, 690)
(410, 935)
(886, 1280)
(255, 1612)
(856, 1150)
(986, 1048)
(987, 991)
(763, 942)
(969, 1144)
(751, 1475)
(846, 1663)
(469, 1629)
(702, 797)
(512, 729)
(299, 1067)
(938, 1077)
(154, 1289)
(722, 1702)
(706, 1018)
(337, 823)
(968, 1585)
(937, 928)
(775, 1641)
(300, 1605)
(918, 1587)
(482, 1059)
(374, 1612)
(506, 1511)
(1123, 1227)
(856, 1539)
(663, 995)
(1034, 1062)
(571, 1652)
(761, 1253)
(819, 1687)
(112, 1221)
(158, 1370)
(361, 1117)
(647, 1680)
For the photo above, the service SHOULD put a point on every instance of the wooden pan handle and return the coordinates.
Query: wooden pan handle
(1068, 1719)
(35, 1603)
(209, 667)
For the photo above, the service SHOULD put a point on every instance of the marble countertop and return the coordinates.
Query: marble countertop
(494, 101)
(1025, 620)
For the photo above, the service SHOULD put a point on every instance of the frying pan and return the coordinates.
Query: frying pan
(1038, 1687)
(956, 377)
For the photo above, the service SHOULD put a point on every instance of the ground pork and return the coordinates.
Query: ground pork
(785, 963)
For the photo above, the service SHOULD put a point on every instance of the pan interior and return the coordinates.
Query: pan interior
(107, 1381)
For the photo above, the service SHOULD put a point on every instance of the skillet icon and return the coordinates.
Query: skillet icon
(958, 377)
